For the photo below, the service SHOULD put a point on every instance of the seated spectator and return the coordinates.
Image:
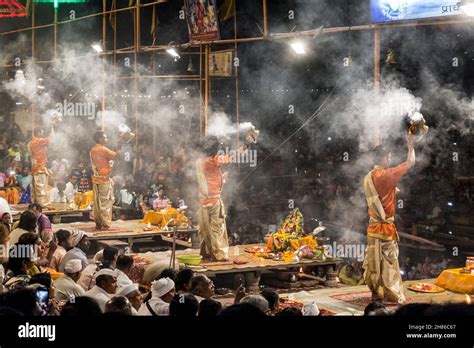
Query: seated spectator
(209, 308)
(201, 287)
(66, 285)
(28, 223)
(161, 202)
(7, 221)
(21, 299)
(258, 301)
(17, 269)
(347, 276)
(58, 193)
(80, 245)
(104, 288)
(182, 280)
(118, 305)
(109, 257)
(132, 293)
(168, 273)
(273, 299)
(184, 306)
(71, 188)
(81, 307)
(64, 240)
(45, 229)
(124, 266)
(162, 292)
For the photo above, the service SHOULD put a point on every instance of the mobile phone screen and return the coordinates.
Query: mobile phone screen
(42, 296)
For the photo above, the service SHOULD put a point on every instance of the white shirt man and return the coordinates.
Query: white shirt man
(57, 257)
(162, 292)
(105, 288)
(75, 252)
(66, 285)
(71, 188)
(57, 196)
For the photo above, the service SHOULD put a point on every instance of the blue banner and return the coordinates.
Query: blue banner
(399, 10)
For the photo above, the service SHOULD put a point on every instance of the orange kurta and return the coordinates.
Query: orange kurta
(100, 157)
(385, 181)
(39, 154)
(212, 172)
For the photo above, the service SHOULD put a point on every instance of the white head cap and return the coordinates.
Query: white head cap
(73, 266)
(162, 287)
(127, 289)
(106, 271)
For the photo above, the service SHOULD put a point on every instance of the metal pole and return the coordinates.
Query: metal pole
(104, 47)
(200, 92)
(236, 71)
(376, 140)
(33, 114)
(265, 22)
(55, 31)
(206, 88)
(136, 48)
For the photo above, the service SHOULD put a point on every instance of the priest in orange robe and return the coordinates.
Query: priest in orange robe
(212, 227)
(382, 271)
(38, 148)
(102, 184)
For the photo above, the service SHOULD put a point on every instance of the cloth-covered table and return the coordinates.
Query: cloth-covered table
(454, 280)
(83, 199)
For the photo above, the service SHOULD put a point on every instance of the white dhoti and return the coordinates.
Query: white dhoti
(213, 231)
(382, 272)
(39, 187)
(103, 203)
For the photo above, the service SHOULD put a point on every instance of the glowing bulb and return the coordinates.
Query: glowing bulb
(298, 47)
(97, 47)
(173, 53)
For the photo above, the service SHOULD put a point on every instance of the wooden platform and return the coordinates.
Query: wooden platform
(128, 230)
(55, 215)
(254, 263)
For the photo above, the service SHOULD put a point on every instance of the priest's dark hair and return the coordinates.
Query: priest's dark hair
(210, 146)
(380, 153)
(98, 135)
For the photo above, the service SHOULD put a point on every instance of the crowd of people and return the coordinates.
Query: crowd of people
(30, 286)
